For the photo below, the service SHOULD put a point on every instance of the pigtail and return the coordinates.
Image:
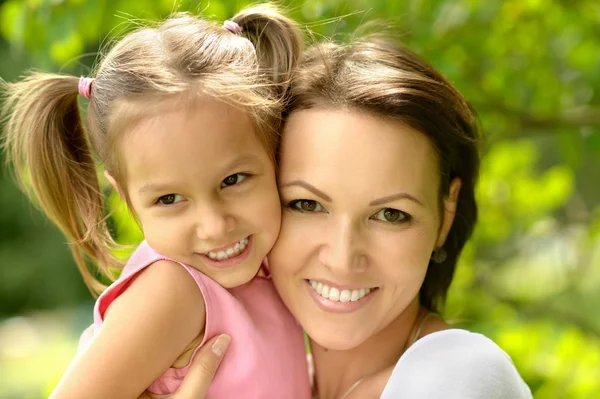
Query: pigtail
(46, 145)
(277, 41)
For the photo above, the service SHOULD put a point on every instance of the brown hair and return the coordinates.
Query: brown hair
(46, 141)
(389, 81)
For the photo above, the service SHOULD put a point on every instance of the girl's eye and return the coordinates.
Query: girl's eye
(234, 179)
(391, 215)
(170, 199)
(306, 206)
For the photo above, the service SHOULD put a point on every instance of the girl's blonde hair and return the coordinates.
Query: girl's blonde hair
(46, 141)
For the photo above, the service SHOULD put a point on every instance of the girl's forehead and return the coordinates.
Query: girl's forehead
(189, 140)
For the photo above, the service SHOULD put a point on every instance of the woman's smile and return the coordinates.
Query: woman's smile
(336, 298)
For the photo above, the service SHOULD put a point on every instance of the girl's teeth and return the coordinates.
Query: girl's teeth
(229, 252)
(334, 294)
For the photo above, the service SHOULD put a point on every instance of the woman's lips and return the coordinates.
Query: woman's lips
(339, 299)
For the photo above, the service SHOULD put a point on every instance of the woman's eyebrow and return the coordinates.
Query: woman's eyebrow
(394, 197)
(309, 187)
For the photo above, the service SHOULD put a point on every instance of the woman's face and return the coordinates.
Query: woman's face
(361, 219)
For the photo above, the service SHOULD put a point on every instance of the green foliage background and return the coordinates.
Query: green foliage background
(530, 277)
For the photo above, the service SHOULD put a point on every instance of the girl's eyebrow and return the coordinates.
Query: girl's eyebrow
(309, 187)
(153, 187)
(394, 197)
(243, 160)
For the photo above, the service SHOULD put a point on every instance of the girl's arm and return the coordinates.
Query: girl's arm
(144, 331)
(202, 370)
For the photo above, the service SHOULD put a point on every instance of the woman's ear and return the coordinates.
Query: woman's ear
(450, 204)
(113, 182)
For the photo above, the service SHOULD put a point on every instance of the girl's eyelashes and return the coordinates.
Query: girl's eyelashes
(169, 199)
(391, 215)
(305, 205)
(234, 179)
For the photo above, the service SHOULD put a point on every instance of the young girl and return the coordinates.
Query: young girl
(184, 118)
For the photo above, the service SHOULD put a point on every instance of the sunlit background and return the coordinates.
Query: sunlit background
(530, 277)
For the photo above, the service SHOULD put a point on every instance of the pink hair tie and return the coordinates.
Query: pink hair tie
(85, 87)
(233, 27)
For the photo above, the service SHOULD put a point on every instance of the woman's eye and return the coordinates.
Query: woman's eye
(170, 199)
(392, 215)
(234, 179)
(306, 206)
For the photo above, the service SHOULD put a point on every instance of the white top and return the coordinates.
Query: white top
(455, 364)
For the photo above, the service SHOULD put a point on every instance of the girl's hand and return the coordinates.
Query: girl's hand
(203, 369)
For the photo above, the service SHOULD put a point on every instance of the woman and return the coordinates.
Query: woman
(378, 164)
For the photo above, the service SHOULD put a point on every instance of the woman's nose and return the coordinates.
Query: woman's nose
(342, 249)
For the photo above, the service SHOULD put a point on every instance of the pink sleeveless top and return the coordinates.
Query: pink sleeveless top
(266, 357)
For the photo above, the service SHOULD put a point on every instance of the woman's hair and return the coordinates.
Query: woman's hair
(49, 147)
(389, 81)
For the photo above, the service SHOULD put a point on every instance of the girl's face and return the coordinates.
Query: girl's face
(204, 188)
(361, 219)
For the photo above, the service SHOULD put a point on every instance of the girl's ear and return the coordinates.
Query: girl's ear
(450, 204)
(113, 182)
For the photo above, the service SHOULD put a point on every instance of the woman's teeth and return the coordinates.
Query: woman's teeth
(333, 294)
(230, 252)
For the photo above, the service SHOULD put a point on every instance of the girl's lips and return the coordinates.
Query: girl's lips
(329, 305)
(224, 247)
(234, 260)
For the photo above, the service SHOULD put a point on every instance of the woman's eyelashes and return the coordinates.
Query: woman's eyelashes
(386, 215)
(305, 205)
(391, 215)
(234, 179)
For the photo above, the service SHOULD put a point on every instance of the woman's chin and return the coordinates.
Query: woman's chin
(332, 339)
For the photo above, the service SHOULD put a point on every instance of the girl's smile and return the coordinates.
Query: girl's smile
(229, 256)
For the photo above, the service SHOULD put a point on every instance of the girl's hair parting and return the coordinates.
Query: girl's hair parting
(54, 153)
(387, 80)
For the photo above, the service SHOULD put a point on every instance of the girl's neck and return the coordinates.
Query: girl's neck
(336, 371)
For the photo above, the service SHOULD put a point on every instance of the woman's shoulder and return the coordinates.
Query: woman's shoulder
(455, 363)
(452, 340)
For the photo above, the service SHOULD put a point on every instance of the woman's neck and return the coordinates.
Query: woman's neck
(336, 371)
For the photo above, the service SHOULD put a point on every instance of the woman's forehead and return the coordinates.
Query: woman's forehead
(352, 137)
(347, 145)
